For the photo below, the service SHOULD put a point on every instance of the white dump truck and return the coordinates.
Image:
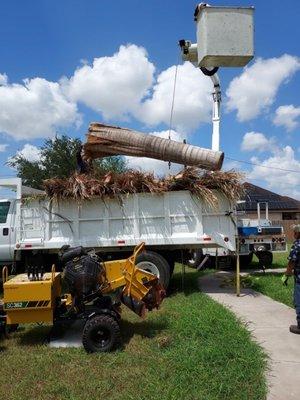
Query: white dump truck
(33, 229)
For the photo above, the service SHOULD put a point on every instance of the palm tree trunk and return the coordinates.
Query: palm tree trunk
(105, 140)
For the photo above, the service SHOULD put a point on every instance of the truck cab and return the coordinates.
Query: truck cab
(7, 230)
(9, 205)
(11, 192)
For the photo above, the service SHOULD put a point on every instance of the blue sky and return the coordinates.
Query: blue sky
(43, 41)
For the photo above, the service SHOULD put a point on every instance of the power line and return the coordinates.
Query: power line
(262, 166)
(172, 104)
(173, 101)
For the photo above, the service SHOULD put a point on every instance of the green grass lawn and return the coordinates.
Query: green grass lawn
(192, 348)
(271, 285)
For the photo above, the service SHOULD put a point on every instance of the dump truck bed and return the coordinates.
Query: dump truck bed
(169, 219)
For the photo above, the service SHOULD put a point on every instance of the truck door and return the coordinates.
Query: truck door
(6, 211)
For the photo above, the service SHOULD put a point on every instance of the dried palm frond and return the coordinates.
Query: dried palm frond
(201, 183)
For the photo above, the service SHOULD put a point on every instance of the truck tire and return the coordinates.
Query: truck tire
(265, 258)
(101, 333)
(156, 264)
(171, 258)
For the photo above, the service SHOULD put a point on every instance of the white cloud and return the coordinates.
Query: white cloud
(3, 147)
(256, 141)
(124, 86)
(158, 167)
(119, 87)
(255, 89)
(34, 109)
(287, 116)
(283, 182)
(30, 153)
(3, 79)
(192, 100)
(231, 164)
(113, 85)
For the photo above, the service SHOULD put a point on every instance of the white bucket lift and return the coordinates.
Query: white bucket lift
(224, 36)
(224, 39)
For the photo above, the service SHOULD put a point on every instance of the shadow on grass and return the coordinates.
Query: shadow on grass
(38, 335)
(226, 284)
(35, 335)
(255, 266)
(3, 349)
(267, 274)
(186, 283)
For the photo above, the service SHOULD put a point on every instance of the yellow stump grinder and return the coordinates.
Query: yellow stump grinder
(37, 296)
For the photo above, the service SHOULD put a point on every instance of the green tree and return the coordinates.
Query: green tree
(113, 163)
(58, 159)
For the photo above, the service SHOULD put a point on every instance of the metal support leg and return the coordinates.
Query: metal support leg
(182, 271)
(238, 281)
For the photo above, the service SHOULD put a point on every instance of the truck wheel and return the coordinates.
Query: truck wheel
(101, 334)
(156, 264)
(246, 260)
(265, 258)
(194, 258)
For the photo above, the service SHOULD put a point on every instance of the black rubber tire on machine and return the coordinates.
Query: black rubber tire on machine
(265, 258)
(101, 333)
(156, 264)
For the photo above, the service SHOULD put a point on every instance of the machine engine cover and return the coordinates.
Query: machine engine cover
(82, 275)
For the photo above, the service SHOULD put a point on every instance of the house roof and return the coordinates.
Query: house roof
(254, 194)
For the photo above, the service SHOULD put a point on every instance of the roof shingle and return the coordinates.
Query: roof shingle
(255, 194)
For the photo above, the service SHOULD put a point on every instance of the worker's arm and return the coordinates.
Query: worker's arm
(290, 268)
(292, 261)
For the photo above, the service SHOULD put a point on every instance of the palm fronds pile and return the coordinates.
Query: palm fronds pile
(201, 183)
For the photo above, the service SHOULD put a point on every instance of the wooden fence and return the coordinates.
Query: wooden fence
(287, 227)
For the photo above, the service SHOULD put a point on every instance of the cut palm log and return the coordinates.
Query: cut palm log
(106, 140)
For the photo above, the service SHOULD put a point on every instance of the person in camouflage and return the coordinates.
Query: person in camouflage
(293, 268)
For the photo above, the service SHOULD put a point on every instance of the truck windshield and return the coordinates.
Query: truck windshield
(4, 207)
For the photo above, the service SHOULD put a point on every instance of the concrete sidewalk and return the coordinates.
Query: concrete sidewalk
(269, 322)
